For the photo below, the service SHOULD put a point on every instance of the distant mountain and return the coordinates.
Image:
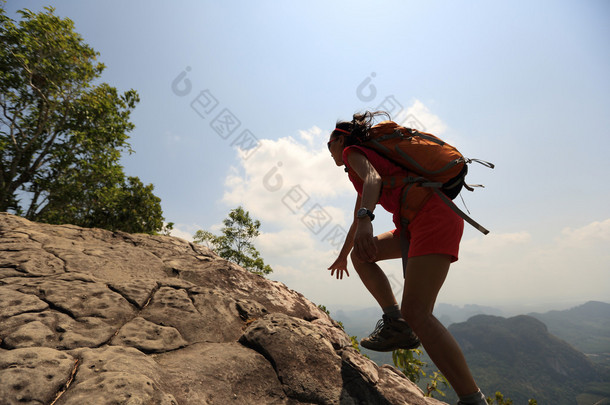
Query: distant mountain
(519, 357)
(448, 314)
(586, 327)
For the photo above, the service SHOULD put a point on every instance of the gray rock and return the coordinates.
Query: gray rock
(13, 303)
(33, 375)
(115, 375)
(80, 297)
(220, 373)
(148, 337)
(67, 332)
(173, 307)
(89, 316)
(137, 292)
(295, 348)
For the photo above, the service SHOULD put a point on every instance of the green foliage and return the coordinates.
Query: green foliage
(167, 229)
(355, 343)
(323, 309)
(498, 399)
(432, 386)
(413, 368)
(410, 365)
(236, 242)
(61, 136)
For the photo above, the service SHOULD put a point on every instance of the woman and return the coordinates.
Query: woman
(434, 236)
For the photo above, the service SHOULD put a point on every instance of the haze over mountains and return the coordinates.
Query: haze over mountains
(586, 327)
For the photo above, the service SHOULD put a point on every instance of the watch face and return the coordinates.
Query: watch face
(364, 212)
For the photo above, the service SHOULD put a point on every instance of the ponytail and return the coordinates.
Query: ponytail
(358, 128)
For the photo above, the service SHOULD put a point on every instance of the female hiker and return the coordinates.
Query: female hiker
(434, 235)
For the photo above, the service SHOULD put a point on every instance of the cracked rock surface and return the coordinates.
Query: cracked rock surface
(89, 316)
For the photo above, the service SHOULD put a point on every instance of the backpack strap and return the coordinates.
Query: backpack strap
(397, 181)
(400, 181)
(481, 162)
(458, 211)
(404, 245)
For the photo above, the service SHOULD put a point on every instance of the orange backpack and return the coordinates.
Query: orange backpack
(435, 166)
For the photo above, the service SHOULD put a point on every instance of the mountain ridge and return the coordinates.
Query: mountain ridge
(499, 336)
(586, 326)
(521, 358)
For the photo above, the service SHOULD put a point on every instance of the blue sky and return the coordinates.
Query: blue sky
(522, 84)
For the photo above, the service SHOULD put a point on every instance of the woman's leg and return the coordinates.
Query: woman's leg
(424, 277)
(392, 332)
(373, 278)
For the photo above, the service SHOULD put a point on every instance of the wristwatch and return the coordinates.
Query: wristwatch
(364, 212)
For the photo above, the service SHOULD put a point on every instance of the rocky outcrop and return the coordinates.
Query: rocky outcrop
(89, 316)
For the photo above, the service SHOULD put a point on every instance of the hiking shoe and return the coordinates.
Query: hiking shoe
(474, 399)
(391, 334)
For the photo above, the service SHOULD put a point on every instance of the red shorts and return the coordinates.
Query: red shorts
(436, 229)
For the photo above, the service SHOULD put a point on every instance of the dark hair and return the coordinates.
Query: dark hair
(359, 127)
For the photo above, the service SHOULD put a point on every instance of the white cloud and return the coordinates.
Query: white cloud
(493, 245)
(495, 241)
(418, 116)
(184, 231)
(572, 266)
(314, 136)
(294, 242)
(187, 231)
(593, 233)
(284, 178)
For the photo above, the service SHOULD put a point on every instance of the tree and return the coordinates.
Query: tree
(61, 136)
(235, 243)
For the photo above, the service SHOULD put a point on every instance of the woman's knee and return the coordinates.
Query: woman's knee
(415, 313)
(359, 264)
(388, 247)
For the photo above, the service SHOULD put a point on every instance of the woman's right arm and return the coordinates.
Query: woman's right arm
(340, 265)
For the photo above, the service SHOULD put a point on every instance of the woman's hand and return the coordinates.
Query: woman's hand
(340, 265)
(364, 243)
